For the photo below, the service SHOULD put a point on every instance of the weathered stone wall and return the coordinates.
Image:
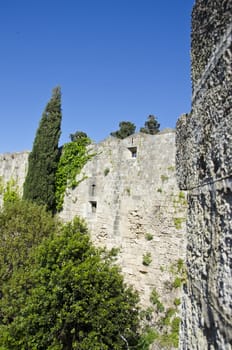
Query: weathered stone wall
(129, 196)
(204, 158)
(13, 166)
(130, 191)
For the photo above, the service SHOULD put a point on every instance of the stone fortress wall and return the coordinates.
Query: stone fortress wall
(129, 194)
(204, 156)
(13, 166)
(131, 191)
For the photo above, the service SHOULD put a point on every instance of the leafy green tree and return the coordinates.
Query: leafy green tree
(23, 225)
(151, 126)
(39, 184)
(72, 297)
(125, 129)
(78, 135)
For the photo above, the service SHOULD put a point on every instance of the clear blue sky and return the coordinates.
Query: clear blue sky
(115, 60)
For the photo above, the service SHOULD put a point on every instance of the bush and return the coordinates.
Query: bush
(147, 259)
(72, 297)
(149, 236)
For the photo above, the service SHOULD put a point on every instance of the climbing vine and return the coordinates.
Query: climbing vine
(74, 156)
(161, 322)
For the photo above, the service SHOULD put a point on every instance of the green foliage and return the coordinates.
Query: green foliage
(74, 156)
(178, 222)
(1, 185)
(159, 190)
(171, 168)
(106, 171)
(151, 126)
(146, 314)
(148, 337)
(171, 339)
(149, 236)
(154, 299)
(180, 265)
(22, 226)
(147, 259)
(125, 129)
(71, 297)
(43, 160)
(180, 200)
(78, 135)
(177, 282)
(177, 301)
(11, 192)
(128, 191)
(168, 315)
(181, 195)
(161, 321)
(178, 269)
(164, 178)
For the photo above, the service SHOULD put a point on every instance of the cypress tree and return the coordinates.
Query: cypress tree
(39, 185)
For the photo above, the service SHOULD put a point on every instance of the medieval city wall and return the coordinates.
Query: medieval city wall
(130, 200)
(130, 192)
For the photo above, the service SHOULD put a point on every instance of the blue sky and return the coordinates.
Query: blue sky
(115, 60)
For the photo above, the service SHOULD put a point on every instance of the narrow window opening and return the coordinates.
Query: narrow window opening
(93, 206)
(133, 151)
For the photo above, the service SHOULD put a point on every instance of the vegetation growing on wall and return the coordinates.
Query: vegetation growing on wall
(161, 322)
(147, 259)
(74, 156)
(39, 185)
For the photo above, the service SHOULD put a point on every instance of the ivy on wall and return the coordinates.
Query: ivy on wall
(74, 156)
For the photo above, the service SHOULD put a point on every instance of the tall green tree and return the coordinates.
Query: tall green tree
(72, 296)
(125, 129)
(151, 126)
(39, 184)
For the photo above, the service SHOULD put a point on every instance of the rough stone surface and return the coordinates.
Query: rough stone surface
(124, 198)
(129, 191)
(204, 155)
(13, 166)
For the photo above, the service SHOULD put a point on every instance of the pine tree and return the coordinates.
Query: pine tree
(39, 184)
(151, 126)
(125, 129)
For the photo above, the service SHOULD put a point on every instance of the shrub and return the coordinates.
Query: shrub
(149, 236)
(147, 259)
(106, 171)
(71, 297)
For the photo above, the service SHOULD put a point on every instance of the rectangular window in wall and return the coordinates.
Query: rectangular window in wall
(93, 205)
(133, 151)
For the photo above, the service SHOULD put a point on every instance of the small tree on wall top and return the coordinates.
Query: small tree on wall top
(125, 129)
(78, 135)
(39, 184)
(151, 126)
